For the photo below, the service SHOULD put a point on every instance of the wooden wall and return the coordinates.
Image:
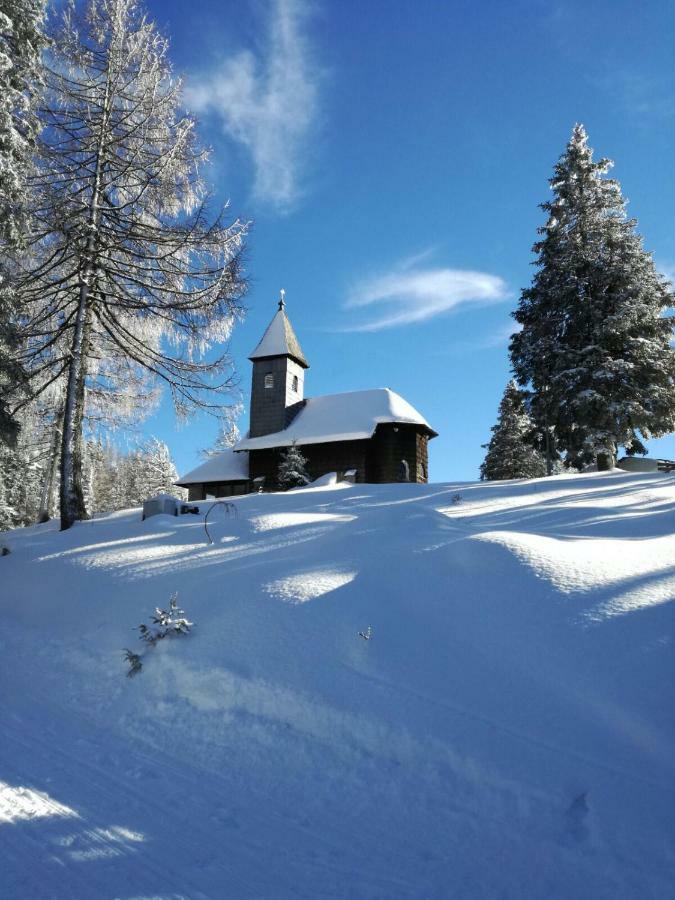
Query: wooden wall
(217, 489)
(272, 409)
(392, 443)
(376, 460)
(336, 456)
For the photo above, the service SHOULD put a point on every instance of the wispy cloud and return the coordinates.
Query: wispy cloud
(499, 337)
(412, 293)
(267, 101)
(642, 96)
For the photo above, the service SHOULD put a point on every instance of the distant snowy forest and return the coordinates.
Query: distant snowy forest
(117, 279)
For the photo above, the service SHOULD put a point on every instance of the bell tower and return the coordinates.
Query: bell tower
(278, 383)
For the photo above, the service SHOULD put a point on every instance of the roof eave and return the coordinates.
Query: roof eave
(301, 361)
(211, 481)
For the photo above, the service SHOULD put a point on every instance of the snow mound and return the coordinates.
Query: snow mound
(506, 732)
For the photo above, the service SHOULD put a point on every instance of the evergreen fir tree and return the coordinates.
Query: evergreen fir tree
(7, 512)
(595, 345)
(292, 468)
(511, 452)
(23, 466)
(119, 480)
(158, 470)
(21, 41)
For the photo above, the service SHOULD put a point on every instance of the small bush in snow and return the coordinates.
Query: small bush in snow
(456, 498)
(169, 622)
(166, 623)
(367, 634)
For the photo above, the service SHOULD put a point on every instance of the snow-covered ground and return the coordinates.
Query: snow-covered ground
(507, 732)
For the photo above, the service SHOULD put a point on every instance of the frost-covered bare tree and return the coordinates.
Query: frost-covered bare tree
(21, 41)
(132, 274)
(228, 434)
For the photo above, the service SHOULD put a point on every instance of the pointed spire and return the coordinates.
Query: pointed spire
(279, 338)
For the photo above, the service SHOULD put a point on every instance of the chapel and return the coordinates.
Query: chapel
(370, 436)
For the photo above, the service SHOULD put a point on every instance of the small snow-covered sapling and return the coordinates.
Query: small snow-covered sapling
(456, 498)
(169, 622)
(367, 634)
(165, 623)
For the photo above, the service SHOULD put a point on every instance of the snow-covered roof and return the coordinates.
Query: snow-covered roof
(225, 466)
(280, 340)
(351, 416)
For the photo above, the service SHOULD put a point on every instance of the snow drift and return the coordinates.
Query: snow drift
(507, 731)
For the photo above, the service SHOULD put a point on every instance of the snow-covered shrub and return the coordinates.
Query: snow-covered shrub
(169, 622)
(165, 623)
(293, 468)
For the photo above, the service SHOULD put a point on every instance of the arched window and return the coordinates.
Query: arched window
(269, 380)
(295, 384)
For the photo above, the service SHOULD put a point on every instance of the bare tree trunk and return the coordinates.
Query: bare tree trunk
(47, 496)
(547, 438)
(72, 447)
(72, 496)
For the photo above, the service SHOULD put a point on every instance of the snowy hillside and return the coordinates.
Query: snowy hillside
(507, 732)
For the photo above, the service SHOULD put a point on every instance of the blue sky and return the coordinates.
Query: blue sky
(392, 155)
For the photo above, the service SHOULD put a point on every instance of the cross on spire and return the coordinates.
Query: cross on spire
(282, 302)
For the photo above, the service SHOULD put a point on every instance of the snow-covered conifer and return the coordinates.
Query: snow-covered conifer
(595, 344)
(21, 41)
(131, 268)
(7, 512)
(170, 622)
(118, 480)
(23, 466)
(152, 471)
(510, 451)
(292, 468)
